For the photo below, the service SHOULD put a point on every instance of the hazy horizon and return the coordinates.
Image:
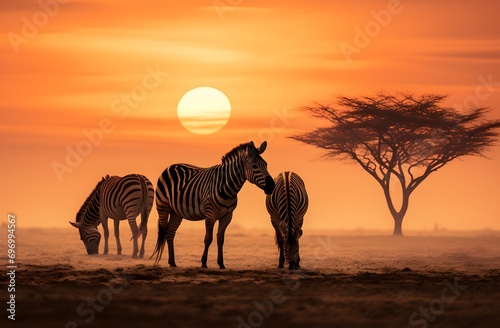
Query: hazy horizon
(235, 228)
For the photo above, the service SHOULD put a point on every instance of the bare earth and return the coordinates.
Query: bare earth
(345, 281)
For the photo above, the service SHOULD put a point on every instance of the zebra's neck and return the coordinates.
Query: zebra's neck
(89, 212)
(231, 177)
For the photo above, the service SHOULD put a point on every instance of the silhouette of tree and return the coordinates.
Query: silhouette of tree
(400, 138)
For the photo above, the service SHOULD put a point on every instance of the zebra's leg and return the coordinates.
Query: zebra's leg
(209, 226)
(104, 222)
(144, 230)
(279, 241)
(173, 224)
(135, 235)
(117, 237)
(221, 230)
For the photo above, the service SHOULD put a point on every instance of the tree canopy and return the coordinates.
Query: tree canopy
(402, 137)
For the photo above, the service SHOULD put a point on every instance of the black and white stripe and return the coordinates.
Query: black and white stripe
(287, 206)
(118, 198)
(210, 194)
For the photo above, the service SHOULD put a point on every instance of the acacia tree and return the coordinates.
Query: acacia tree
(400, 138)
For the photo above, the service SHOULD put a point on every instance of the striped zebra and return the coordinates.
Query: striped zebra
(119, 198)
(287, 206)
(210, 194)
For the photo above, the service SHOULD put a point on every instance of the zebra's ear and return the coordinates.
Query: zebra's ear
(298, 233)
(282, 227)
(251, 150)
(76, 224)
(263, 147)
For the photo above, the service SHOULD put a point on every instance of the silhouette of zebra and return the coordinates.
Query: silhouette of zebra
(210, 194)
(287, 206)
(119, 198)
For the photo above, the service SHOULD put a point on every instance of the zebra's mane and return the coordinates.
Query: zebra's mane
(234, 153)
(81, 213)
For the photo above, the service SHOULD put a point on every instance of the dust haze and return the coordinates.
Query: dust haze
(348, 279)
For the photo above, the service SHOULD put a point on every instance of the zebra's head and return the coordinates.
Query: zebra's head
(87, 220)
(256, 168)
(291, 238)
(90, 236)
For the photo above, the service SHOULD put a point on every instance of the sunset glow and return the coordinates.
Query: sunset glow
(91, 88)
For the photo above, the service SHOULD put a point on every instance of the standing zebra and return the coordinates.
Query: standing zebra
(287, 206)
(210, 194)
(121, 198)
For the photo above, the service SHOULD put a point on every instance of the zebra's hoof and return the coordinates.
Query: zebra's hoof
(281, 266)
(221, 266)
(173, 265)
(204, 266)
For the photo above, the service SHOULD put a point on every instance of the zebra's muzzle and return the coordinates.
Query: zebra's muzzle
(269, 187)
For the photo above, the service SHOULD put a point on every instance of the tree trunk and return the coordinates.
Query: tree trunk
(397, 215)
(398, 223)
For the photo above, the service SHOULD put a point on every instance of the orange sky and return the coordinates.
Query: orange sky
(72, 69)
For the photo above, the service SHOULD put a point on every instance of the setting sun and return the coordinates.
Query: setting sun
(204, 110)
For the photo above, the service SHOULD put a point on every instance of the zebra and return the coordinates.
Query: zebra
(287, 206)
(119, 198)
(210, 194)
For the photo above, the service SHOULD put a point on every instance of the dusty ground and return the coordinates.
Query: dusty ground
(346, 281)
(143, 296)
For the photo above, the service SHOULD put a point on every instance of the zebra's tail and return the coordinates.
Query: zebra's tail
(160, 244)
(141, 226)
(139, 230)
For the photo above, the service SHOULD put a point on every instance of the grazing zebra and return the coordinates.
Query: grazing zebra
(119, 198)
(287, 206)
(210, 194)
